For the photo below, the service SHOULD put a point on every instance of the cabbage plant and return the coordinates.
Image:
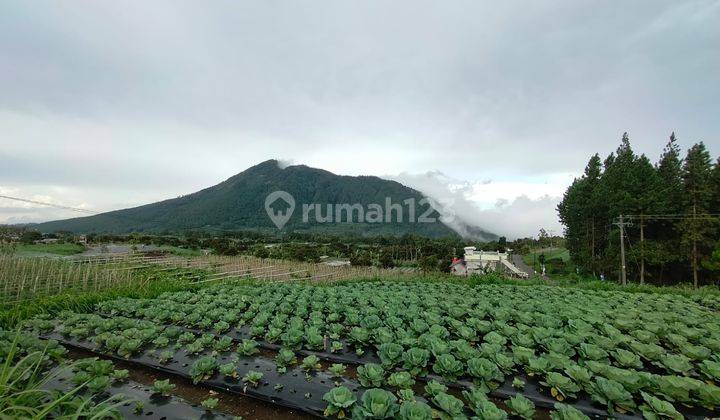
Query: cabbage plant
(451, 406)
(567, 412)
(339, 400)
(611, 394)
(655, 409)
(371, 374)
(414, 410)
(522, 407)
(376, 403)
(401, 380)
(203, 369)
(163, 387)
(253, 378)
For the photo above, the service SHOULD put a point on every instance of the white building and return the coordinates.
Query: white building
(481, 262)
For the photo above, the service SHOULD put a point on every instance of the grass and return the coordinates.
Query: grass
(28, 277)
(48, 249)
(146, 283)
(557, 262)
(25, 393)
(181, 252)
(550, 253)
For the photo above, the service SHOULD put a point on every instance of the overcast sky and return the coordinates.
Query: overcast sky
(107, 104)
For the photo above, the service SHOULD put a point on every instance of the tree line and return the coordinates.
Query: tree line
(428, 254)
(669, 215)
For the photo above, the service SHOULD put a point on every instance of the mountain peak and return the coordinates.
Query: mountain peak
(238, 203)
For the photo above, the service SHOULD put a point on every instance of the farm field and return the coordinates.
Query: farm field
(38, 284)
(48, 249)
(557, 260)
(419, 349)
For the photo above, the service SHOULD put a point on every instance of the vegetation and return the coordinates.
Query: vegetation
(53, 249)
(78, 296)
(630, 352)
(674, 234)
(29, 277)
(557, 261)
(237, 204)
(27, 367)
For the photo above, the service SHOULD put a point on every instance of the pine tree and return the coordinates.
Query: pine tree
(715, 188)
(619, 188)
(580, 211)
(698, 194)
(647, 192)
(713, 261)
(670, 171)
(671, 202)
(594, 208)
(629, 185)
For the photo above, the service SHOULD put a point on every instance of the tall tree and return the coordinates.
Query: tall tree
(647, 189)
(595, 207)
(698, 194)
(619, 188)
(670, 171)
(671, 202)
(629, 185)
(715, 188)
(713, 261)
(580, 211)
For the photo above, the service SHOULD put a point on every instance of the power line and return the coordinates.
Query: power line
(704, 216)
(42, 203)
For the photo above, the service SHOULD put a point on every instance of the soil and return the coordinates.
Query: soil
(248, 408)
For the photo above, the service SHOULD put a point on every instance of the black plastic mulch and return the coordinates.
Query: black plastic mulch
(297, 391)
(154, 406)
(532, 390)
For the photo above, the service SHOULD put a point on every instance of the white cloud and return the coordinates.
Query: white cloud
(512, 209)
(127, 104)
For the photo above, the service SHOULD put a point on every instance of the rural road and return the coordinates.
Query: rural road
(519, 263)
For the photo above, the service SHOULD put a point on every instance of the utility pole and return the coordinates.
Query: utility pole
(621, 224)
(642, 250)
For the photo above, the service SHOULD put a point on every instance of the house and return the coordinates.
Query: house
(458, 267)
(334, 262)
(480, 262)
(47, 241)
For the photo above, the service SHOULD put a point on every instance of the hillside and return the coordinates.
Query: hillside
(239, 204)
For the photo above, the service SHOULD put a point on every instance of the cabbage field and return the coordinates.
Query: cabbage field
(421, 350)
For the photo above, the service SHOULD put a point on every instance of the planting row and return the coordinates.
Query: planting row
(302, 384)
(39, 382)
(664, 345)
(492, 358)
(396, 376)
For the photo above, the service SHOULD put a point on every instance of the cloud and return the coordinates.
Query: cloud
(125, 104)
(513, 210)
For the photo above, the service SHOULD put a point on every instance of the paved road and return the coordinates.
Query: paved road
(519, 263)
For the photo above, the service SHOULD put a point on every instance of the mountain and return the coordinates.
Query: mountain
(238, 204)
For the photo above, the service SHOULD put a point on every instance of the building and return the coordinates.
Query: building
(458, 267)
(481, 262)
(334, 262)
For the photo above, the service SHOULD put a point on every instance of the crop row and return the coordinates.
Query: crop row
(615, 347)
(41, 382)
(304, 385)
